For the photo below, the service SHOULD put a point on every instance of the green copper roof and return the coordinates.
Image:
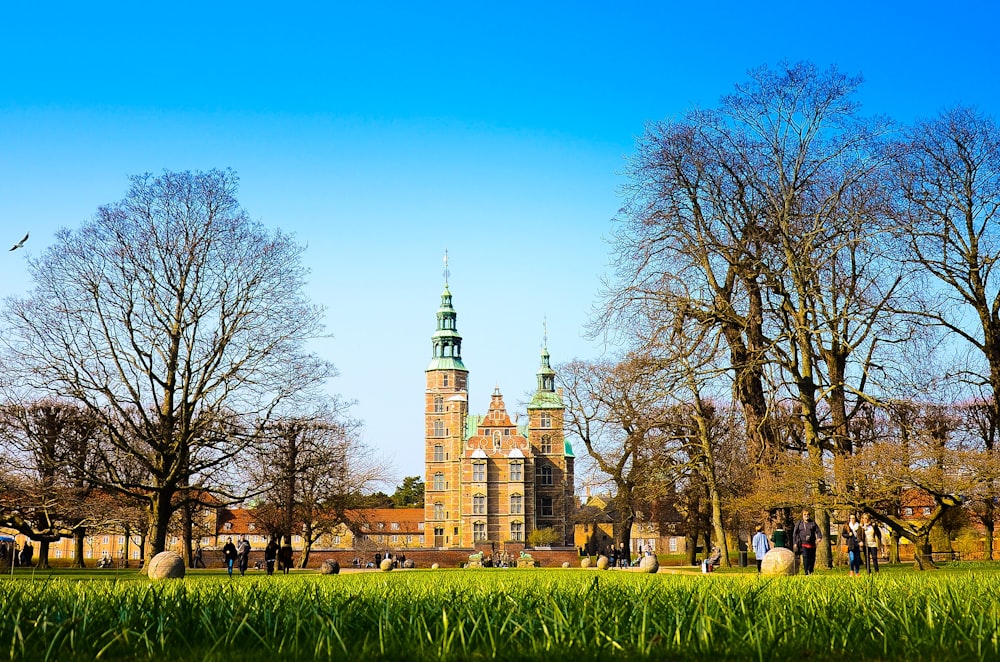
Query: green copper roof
(446, 363)
(568, 449)
(546, 400)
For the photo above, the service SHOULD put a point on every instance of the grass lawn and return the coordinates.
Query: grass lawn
(542, 614)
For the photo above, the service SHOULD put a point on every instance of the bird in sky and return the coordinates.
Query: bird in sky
(20, 244)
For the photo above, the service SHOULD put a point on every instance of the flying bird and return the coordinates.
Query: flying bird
(20, 244)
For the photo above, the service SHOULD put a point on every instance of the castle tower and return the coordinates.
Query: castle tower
(446, 405)
(554, 459)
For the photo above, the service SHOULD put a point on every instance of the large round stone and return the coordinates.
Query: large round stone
(166, 565)
(409, 563)
(386, 565)
(585, 563)
(434, 566)
(565, 564)
(330, 567)
(779, 561)
(602, 563)
(649, 564)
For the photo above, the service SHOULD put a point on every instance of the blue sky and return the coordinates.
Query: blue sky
(382, 133)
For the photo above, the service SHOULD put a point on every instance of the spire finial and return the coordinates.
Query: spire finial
(446, 272)
(545, 332)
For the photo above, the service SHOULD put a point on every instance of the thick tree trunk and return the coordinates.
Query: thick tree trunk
(43, 554)
(78, 536)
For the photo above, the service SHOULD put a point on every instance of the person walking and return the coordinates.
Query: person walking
(850, 538)
(761, 546)
(871, 539)
(805, 537)
(270, 555)
(229, 554)
(285, 555)
(243, 555)
(199, 561)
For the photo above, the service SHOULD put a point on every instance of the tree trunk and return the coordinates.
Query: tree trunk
(159, 520)
(824, 555)
(43, 554)
(78, 536)
(989, 523)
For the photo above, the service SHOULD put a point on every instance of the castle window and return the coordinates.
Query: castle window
(497, 440)
(515, 471)
(479, 505)
(517, 530)
(479, 472)
(438, 510)
(438, 428)
(545, 506)
(516, 504)
(545, 420)
(546, 443)
(544, 475)
(444, 379)
(438, 404)
(460, 382)
(479, 531)
(439, 481)
(438, 453)
(394, 526)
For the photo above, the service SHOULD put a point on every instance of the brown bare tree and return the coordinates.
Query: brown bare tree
(173, 319)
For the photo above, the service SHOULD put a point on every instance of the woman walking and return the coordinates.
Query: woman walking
(872, 539)
(850, 537)
(761, 546)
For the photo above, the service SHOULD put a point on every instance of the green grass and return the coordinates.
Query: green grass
(502, 614)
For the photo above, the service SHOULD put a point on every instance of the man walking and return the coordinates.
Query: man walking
(805, 538)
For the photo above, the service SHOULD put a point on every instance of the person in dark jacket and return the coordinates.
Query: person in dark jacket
(285, 555)
(805, 537)
(229, 554)
(850, 538)
(243, 555)
(270, 555)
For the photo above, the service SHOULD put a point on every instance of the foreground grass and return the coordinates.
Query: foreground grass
(505, 615)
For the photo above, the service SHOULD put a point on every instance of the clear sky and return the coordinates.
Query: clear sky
(382, 133)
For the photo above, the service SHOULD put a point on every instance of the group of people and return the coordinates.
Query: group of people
(861, 540)
(238, 555)
(9, 553)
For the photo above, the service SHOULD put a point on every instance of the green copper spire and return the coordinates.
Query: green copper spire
(546, 396)
(446, 342)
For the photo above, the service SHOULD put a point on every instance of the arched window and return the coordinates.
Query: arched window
(479, 472)
(516, 471)
(439, 481)
(438, 453)
(479, 504)
(438, 428)
(545, 420)
(479, 531)
(438, 510)
(516, 504)
(517, 530)
(546, 443)
(438, 404)
(497, 440)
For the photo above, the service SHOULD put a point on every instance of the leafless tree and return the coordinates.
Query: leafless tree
(314, 474)
(173, 319)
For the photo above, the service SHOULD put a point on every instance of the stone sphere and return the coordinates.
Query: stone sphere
(330, 567)
(409, 563)
(166, 565)
(434, 566)
(649, 564)
(602, 562)
(585, 563)
(779, 561)
(386, 565)
(565, 564)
